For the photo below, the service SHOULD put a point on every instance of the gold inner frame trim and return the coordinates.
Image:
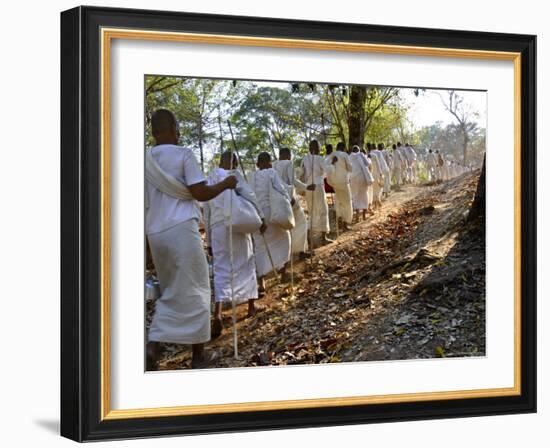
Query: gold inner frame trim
(107, 35)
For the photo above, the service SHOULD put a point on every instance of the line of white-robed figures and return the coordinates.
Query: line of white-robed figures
(252, 229)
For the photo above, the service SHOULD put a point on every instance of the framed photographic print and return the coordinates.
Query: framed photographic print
(273, 223)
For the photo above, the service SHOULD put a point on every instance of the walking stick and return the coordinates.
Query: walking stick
(291, 269)
(312, 207)
(233, 306)
(292, 179)
(231, 280)
(234, 148)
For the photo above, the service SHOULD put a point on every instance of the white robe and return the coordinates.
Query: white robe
(314, 169)
(338, 178)
(410, 154)
(245, 285)
(446, 171)
(182, 313)
(276, 238)
(399, 165)
(384, 171)
(443, 172)
(431, 164)
(368, 160)
(387, 174)
(454, 169)
(378, 177)
(359, 184)
(286, 171)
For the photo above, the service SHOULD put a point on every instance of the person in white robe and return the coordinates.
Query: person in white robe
(386, 167)
(173, 184)
(314, 169)
(431, 165)
(410, 154)
(273, 246)
(454, 169)
(370, 210)
(286, 171)
(361, 179)
(398, 166)
(441, 167)
(420, 165)
(448, 168)
(339, 178)
(237, 282)
(378, 174)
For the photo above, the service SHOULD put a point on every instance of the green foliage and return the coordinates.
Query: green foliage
(390, 124)
(268, 116)
(449, 140)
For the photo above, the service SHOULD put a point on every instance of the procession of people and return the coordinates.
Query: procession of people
(255, 224)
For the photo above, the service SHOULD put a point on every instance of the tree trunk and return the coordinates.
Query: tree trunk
(356, 119)
(477, 209)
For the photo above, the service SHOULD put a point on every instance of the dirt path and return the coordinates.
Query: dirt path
(409, 282)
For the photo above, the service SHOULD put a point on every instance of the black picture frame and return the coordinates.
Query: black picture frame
(81, 223)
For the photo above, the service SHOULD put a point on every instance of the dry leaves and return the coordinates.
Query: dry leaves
(410, 285)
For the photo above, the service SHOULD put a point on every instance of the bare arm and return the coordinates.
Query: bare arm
(203, 192)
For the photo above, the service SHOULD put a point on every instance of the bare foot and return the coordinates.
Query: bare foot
(152, 356)
(255, 309)
(217, 328)
(208, 359)
(261, 285)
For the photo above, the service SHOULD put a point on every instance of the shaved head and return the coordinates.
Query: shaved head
(162, 120)
(314, 147)
(164, 127)
(264, 157)
(284, 154)
(264, 160)
(341, 146)
(225, 160)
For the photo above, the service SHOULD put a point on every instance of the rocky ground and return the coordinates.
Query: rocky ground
(407, 283)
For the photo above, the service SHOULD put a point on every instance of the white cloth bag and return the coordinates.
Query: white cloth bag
(367, 175)
(281, 210)
(241, 213)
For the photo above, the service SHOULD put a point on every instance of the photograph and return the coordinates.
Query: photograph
(281, 223)
(294, 223)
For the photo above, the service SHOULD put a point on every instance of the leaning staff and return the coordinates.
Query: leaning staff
(291, 245)
(231, 281)
(312, 207)
(246, 179)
